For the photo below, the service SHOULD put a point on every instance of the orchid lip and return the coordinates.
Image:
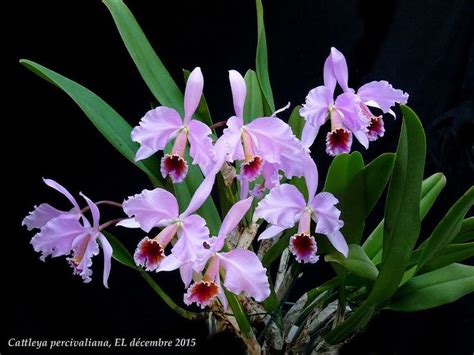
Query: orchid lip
(149, 254)
(202, 293)
(303, 247)
(252, 168)
(338, 141)
(175, 166)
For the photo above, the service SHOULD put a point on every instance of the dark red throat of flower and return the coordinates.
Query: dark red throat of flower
(251, 169)
(149, 254)
(303, 247)
(376, 128)
(338, 141)
(201, 293)
(174, 166)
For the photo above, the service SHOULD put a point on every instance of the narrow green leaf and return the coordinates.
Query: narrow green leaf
(253, 106)
(357, 262)
(345, 179)
(262, 62)
(121, 254)
(376, 176)
(453, 253)
(467, 231)
(152, 70)
(296, 122)
(202, 111)
(402, 209)
(434, 289)
(112, 126)
(239, 313)
(447, 228)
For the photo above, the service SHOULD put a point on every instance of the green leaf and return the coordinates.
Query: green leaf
(112, 126)
(467, 231)
(402, 209)
(262, 62)
(430, 190)
(152, 70)
(253, 106)
(121, 254)
(452, 253)
(376, 176)
(447, 228)
(357, 262)
(202, 111)
(345, 180)
(296, 122)
(239, 313)
(434, 289)
(276, 249)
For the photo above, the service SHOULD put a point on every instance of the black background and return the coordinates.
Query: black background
(424, 48)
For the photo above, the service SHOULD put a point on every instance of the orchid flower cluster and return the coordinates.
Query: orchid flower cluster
(266, 154)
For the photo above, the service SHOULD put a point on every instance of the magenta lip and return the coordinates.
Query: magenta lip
(376, 128)
(252, 168)
(149, 254)
(202, 293)
(338, 141)
(303, 247)
(174, 166)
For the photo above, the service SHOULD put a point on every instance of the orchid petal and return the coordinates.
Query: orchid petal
(62, 190)
(201, 149)
(309, 134)
(271, 232)
(57, 236)
(107, 249)
(231, 140)
(150, 207)
(155, 130)
(192, 234)
(339, 66)
(129, 223)
(234, 216)
(273, 138)
(329, 79)
(245, 273)
(339, 242)
(362, 137)
(282, 206)
(85, 248)
(169, 263)
(383, 94)
(200, 195)
(239, 92)
(186, 273)
(326, 215)
(311, 176)
(315, 109)
(221, 294)
(41, 215)
(94, 211)
(352, 117)
(192, 93)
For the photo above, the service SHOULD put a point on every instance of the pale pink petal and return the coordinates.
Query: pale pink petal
(315, 109)
(221, 294)
(186, 273)
(337, 240)
(362, 137)
(245, 273)
(169, 263)
(231, 140)
(234, 216)
(352, 116)
(326, 215)
(271, 232)
(151, 208)
(239, 92)
(282, 206)
(329, 78)
(311, 176)
(192, 93)
(244, 186)
(272, 138)
(192, 234)
(107, 250)
(201, 194)
(85, 248)
(155, 130)
(309, 134)
(271, 175)
(129, 223)
(201, 149)
(94, 211)
(292, 163)
(383, 94)
(57, 236)
(339, 66)
(62, 190)
(41, 215)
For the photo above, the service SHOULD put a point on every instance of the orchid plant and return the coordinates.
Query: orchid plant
(262, 172)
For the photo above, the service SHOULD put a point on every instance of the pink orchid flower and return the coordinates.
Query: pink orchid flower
(285, 206)
(242, 269)
(159, 208)
(70, 233)
(264, 141)
(350, 113)
(163, 124)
